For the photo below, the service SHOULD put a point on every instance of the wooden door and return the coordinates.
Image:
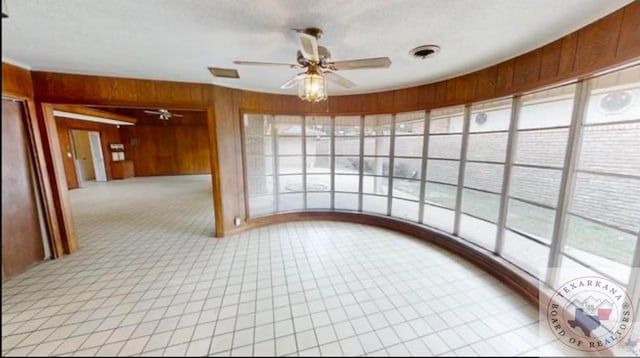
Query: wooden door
(21, 236)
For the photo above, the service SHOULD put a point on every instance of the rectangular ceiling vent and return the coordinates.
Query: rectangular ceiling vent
(224, 72)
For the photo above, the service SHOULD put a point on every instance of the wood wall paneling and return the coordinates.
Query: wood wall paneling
(629, 32)
(176, 147)
(63, 88)
(550, 63)
(598, 41)
(16, 81)
(227, 127)
(22, 244)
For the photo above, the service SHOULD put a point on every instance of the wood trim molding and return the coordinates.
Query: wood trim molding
(94, 113)
(58, 179)
(523, 283)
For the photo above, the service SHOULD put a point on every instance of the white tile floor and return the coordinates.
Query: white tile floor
(150, 280)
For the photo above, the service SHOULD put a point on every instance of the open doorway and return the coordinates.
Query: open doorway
(89, 160)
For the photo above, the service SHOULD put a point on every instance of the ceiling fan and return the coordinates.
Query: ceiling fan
(317, 62)
(164, 114)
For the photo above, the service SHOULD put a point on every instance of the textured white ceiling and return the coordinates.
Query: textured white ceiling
(178, 40)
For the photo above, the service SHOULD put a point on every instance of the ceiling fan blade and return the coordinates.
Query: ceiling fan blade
(337, 79)
(292, 82)
(309, 46)
(256, 63)
(152, 112)
(376, 62)
(176, 115)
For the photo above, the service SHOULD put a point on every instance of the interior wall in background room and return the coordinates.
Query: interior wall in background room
(108, 133)
(173, 147)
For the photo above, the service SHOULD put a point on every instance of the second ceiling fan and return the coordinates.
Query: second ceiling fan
(317, 62)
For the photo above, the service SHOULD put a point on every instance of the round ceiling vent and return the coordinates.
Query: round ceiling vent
(425, 51)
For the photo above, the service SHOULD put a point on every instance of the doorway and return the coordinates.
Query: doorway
(89, 160)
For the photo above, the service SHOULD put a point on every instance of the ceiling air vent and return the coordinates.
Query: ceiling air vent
(425, 51)
(224, 72)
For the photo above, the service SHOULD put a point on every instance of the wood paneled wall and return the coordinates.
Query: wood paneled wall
(610, 41)
(179, 147)
(108, 134)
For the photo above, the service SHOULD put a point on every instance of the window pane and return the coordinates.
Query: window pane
(290, 165)
(597, 239)
(478, 231)
(289, 129)
(490, 147)
(259, 164)
(347, 183)
(377, 145)
(445, 146)
(290, 183)
(405, 209)
(536, 258)
(376, 166)
(260, 195)
(318, 135)
(536, 185)
(549, 108)
(490, 116)
(347, 165)
(610, 200)
(407, 189)
(407, 168)
(257, 134)
(439, 217)
(611, 149)
(480, 204)
(484, 176)
(259, 175)
(542, 147)
(447, 120)
(320, 182)
(318, 201)
(374, 204)
(347, 135)
(443, 171)
(440, 194)
(261, 205)
(571, 269)
(410, 123)
(319, 164)
(289, 202)
(375, 185)
(408, 146)
(344, 201)
(615, 97)
(379, 124)
(531, 219)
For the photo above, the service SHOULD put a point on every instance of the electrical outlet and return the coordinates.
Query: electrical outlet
(237, 221)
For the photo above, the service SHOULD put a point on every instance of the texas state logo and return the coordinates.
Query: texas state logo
(590, 314)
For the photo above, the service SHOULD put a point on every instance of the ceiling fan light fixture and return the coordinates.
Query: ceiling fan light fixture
(312, 87)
